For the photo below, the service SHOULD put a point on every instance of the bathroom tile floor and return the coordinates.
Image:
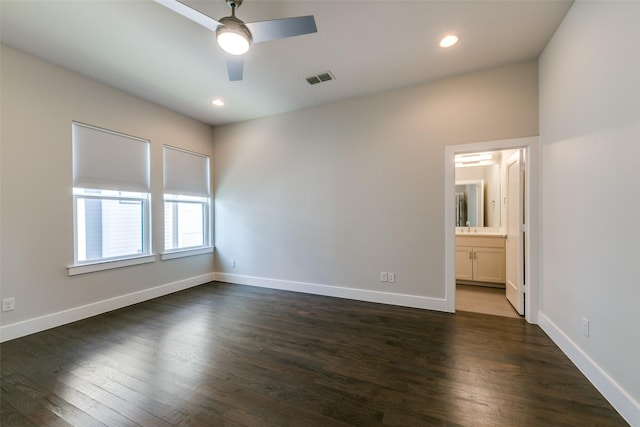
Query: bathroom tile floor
(480, 299)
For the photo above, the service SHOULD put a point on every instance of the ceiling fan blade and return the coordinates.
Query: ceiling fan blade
(235, 65)
(189, 13)
(263, 31)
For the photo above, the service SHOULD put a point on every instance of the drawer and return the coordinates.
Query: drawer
(480, 241)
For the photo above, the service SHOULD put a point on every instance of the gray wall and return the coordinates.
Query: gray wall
(590, 135)
(39, 102)
(336, 194)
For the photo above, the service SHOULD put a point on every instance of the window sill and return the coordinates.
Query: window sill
(108, 265)
(185, 253)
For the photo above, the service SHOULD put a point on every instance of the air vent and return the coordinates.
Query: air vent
(320, 78)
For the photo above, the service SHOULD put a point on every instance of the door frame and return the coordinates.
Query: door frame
(531, 145)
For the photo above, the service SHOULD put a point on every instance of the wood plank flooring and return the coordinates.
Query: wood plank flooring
(232, 355)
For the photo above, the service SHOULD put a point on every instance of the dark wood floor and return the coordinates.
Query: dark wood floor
(221, 354)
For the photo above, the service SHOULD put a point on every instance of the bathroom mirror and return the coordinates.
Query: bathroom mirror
(478, 196)
(470, 203)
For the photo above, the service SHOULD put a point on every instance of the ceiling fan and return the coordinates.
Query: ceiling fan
(235, 36)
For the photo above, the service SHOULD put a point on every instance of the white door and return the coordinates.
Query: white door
(515, 233)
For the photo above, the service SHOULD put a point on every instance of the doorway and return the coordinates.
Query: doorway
(527, 246)
(489, 259)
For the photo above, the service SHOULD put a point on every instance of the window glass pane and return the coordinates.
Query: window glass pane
(184, 224)
(108, 228)
(190, 229)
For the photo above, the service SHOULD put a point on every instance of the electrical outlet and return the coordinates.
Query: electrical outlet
(391, 277)
(585, 326)
(8, 304)
(383, 276)
(233, 263)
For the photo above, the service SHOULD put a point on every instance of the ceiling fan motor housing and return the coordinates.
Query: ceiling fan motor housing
(233, 24)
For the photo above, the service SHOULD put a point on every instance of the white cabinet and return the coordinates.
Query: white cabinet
(480, 259)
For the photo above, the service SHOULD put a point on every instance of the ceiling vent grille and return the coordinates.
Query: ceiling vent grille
(320, 78)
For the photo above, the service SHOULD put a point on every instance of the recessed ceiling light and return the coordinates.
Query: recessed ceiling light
(218, 102)
(449, 41)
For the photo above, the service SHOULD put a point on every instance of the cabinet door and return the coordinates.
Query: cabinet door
(489, 265)
(464, 263)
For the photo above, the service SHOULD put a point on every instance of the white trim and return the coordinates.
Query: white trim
(108, 265)
(38, 324)
(532, 258)
(186, 252)
(414, 301)
(619, 398)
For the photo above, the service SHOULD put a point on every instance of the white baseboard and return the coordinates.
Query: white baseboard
(404, 300)
(622, 401)
(31, 326)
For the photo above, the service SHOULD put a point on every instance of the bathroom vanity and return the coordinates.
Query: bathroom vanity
(480, 259)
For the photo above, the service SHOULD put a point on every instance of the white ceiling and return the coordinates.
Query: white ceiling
(147, 50)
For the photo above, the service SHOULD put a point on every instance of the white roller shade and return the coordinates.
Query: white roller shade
(109, 160)
(185, 173)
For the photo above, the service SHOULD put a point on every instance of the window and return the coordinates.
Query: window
(110, 199)
(186, 203)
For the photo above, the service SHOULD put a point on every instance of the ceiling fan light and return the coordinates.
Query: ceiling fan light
(233, 43)
(233, 36)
